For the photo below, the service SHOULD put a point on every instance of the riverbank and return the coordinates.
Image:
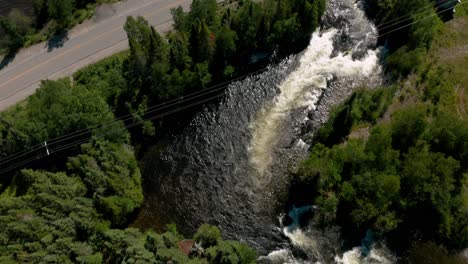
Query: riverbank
(368, 161)
(78, 118)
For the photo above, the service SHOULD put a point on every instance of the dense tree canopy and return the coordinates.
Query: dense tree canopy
(399, 179)
(393, 160)
(57, 109)
(406, 30)
(112, 177)
(209, 44)
(66, 208)
(54, 217)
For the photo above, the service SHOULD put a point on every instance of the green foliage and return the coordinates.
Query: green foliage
(207, 235)
(48, 221)
(438, 85)
(49, 17)
(405, 178)
(66, 216)
(124, 246)
(54, 110)
(112, 177)
(448, 135)
(179, 51)
(407, 45)
(106, 77)
(204, 11)
(230, 252)
(208, 44)
(407, 126)
(61, 11)
(363, 106)
(15, 38)
(201, 42)
(408, 177)
(404, 61)
(56, 219)
(371, 194)
(15, 29)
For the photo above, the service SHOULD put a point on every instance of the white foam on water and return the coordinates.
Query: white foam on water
(301, 144)
(282, 256)
(303, 88)
(375, 256)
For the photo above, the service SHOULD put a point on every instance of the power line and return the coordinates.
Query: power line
(139, 122)
(219, 3)
(189, 97)
(431, 8)
(128, 117)
(76, 143)
(416, 21)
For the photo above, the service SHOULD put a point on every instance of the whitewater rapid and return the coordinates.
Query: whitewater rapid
(231, 165)
(303, 87)
(343, 51)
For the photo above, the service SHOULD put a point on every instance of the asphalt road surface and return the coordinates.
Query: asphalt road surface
(87, 43)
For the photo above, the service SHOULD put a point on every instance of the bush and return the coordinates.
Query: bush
(207, 235)
(231, 252)
(112, 177)
(363, 106)
(405, 179)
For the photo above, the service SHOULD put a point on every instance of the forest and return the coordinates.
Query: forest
(70, 182)
(391, 160)
(394, 160)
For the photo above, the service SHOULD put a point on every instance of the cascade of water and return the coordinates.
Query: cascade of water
(229, 165)
(375, 256)
(340, 52)
(302, 88)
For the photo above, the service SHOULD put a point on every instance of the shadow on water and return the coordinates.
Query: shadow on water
(57, 41)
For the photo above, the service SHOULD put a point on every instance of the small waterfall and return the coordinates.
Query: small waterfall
(303, 87)
(375, 256)
(230, 166)
(344, 51)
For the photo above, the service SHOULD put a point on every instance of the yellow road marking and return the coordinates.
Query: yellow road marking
(83, 32)
(83, 44)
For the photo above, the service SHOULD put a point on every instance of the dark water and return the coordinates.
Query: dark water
(230, 166)
(204, 175)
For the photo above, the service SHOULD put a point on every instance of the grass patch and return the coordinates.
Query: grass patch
(450, 53)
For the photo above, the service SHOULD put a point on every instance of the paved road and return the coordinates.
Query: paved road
(87, 43)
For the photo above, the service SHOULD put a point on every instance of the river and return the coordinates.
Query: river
(230, 167)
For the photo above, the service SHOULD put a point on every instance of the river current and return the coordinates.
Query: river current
(230, 166)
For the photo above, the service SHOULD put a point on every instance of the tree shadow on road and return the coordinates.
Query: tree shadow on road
(54, 42)
(57, 41)
(9, 57)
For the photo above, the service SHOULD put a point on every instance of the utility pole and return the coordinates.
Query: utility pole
(47, 148)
